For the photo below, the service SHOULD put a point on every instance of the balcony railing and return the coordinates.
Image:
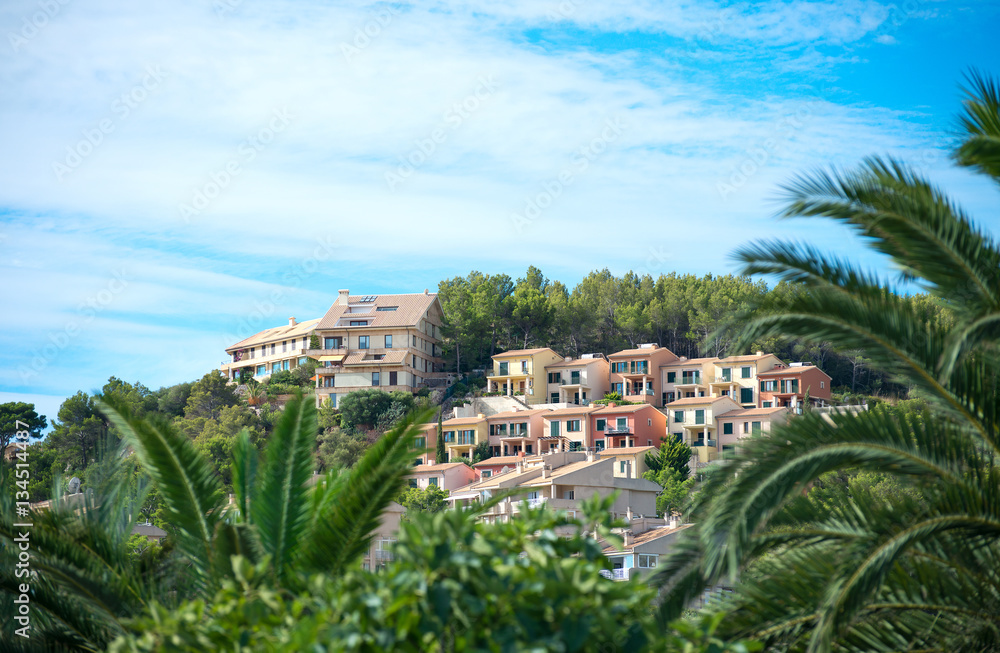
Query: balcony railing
(615, 574)
(617, 430)
(723, 379)
(704, 443)
(381, 554)
(690, 379)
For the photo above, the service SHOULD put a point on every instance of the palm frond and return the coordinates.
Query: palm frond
(280, 509)
(190, 491)
(981, 122)
(244, 468)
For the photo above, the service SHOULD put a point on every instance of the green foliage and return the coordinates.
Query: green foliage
(897, 544)
(18, 411)
(440, 454)
(339, 448)
(374, 409)
(209, 396)
(430, 499)
(482, 451)
(673, 455)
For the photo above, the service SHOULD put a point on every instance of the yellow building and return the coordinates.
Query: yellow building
(521, 373)
(462, 434)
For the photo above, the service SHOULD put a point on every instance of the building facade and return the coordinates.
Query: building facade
(388, 342)
(273, 350)
(635, 373)
(577, 380)
(521, 373)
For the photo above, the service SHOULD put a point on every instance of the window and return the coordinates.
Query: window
(388, 342)
(622, 423)
(573, 426)
(386, 308)
(746, 395)
(599, 445)
(649, 422)
(601, 423)
(433, 480)
(420, 443)
(822, 384)
(363, 342)
(755, 426)
(253, 349)
(284, 346)
(414, 341)
(555, 397)
(272, 349)
(555, 377)
(359, 322)
(449, 436)
(413, 482)
(524, 367)
(575, 446)
(623, 466)
(554, 428)
(527, 448)
(671, 377)
(328, 381)
(769, 386)
(699, 416)
(375, 379)
(275, 367)
(333, 343)
(727, 374)
(678, 416)
(746, 427)
(647, 561)
(727, 428)
(285, 365)
(745, 371)
(487, 473)
(261, 369)
(765, 404)
(679, 437)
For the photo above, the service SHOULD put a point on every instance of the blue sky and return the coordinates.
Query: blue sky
(176, 174)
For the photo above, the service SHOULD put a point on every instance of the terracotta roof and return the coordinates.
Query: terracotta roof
(631, 408)
(365, 357)
(624, 451)
(523, 352)
(648, 536)
(786, 371)
(275, 334)
(640, 352)
(559, 472)
(745, 359)
(499, 460)
(690, 361)
(576, 362)
(697, 401)
(435, 468)
(409, 309)
(575, 410)
(752, 412)
(462, 421)
(518, 413)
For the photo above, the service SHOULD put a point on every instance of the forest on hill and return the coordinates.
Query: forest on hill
(692, 316)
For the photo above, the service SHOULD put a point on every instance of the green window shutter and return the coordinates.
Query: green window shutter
(727, 428)
(746, 395)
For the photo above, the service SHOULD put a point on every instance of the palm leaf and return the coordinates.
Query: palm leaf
(280, 509)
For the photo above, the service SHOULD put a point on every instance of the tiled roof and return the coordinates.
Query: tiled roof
(631, 408)
(276, 334)
(462, 421)
(690, 362)
(523, 352)
(148, 530)
(786, 371)
(435, 468)
(518, 413)
(576, 362)
(648, 536)
(749, 358)
(624, 451)
(574, 410)
(640, 352)
(559, 472)
(697, 401)
(752, 412)
(499, 460)
(409, 309)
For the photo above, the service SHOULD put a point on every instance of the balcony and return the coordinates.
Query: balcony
(384, 556)
(705, 443)
(689, 379)
(500, 374)
(618, 430)
(615, 574)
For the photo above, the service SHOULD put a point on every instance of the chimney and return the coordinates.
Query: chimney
(480, 416)
(628, 538)
(342, 297)
(611, 404)
(291, 321)
(760, 353)
(546, 471)
(426, 292)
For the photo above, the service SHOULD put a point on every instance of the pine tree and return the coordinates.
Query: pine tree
(440, 455)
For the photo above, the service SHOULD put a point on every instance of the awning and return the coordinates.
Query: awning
(330, 359)
(464, 495)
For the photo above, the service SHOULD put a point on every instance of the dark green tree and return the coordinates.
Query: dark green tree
(440, 455)
(19, 416)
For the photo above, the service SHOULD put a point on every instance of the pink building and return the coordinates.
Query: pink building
(635, 425)
(516, 431)
(787, 386)
(446, 476)
(635, 373)
(567, 429)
